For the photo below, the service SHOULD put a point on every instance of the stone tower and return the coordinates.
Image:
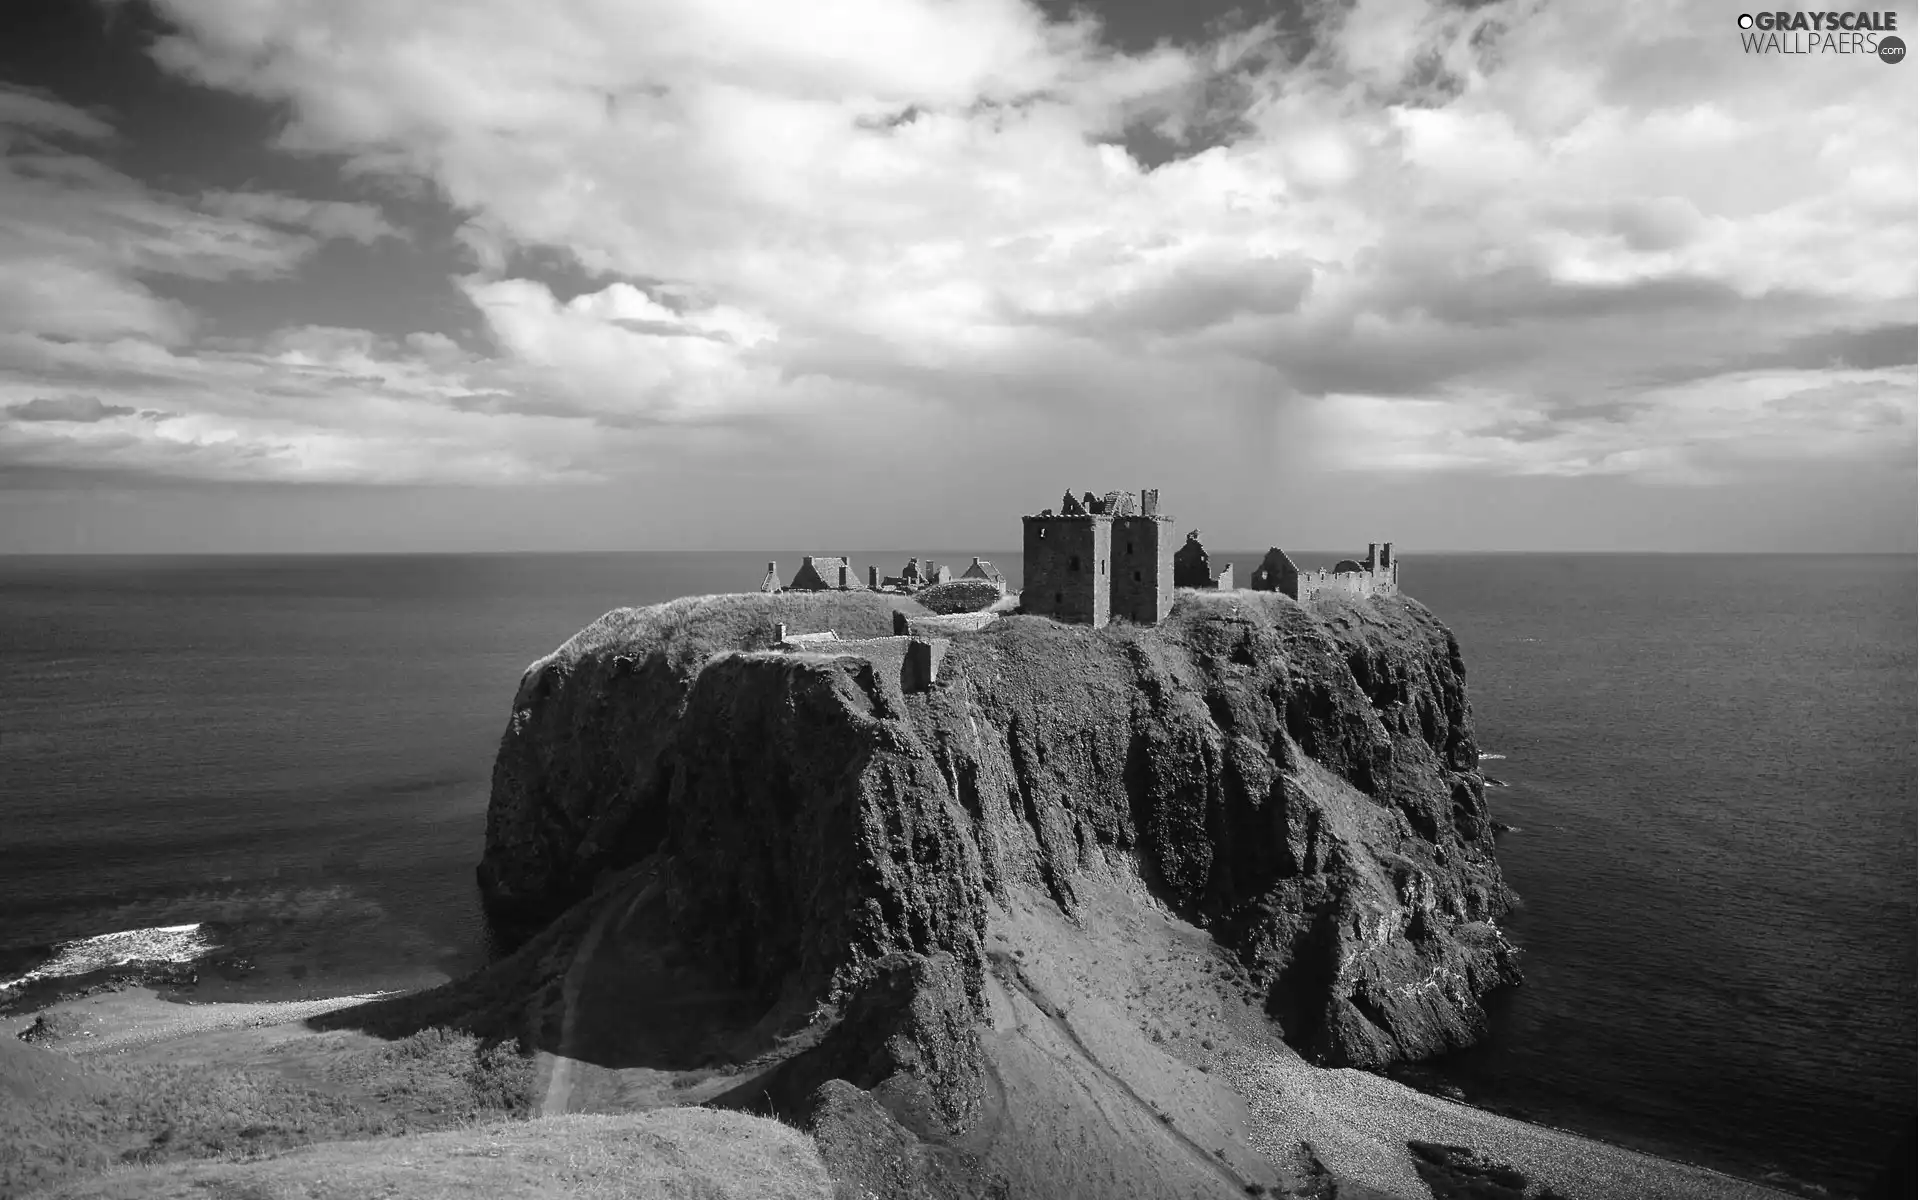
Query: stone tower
(1066, 565)
(1098, 558)
(1143, 568)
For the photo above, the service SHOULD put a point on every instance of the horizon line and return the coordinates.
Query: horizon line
(414, 553)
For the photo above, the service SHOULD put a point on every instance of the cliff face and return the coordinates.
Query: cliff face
(1298, 781)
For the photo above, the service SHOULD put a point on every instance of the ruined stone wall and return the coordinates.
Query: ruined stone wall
(1143, 550)
(912, 663)
(1191, 567)
(1358, 584)
(1067, 568)
(943, 626)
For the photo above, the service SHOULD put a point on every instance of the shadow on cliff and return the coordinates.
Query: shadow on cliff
(605, 984)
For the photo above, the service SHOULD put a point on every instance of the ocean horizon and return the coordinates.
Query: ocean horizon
(277, 766)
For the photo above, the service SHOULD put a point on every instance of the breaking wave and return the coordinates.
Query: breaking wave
(1489, 757)
(160, 943)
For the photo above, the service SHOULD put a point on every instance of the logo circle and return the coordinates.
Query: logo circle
(1746, 20)
(1892, 49)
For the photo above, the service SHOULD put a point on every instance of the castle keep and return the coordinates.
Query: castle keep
(1098, 558)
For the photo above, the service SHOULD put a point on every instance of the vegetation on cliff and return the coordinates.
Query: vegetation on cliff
(60, 1117)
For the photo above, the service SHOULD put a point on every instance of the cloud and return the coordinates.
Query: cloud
(79, 240)
(24, 111)
(363, 223)
(1701, 432)
(143, 391)
(310, 405)
(1505, 238)
(77, 409)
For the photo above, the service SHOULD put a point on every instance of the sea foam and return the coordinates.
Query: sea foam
(160, 943)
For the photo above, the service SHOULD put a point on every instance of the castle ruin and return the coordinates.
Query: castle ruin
(911, 660)
(1106, 557)
(835, 573)
(1102, 558)
(1191, 569)
(820, 573)
(982, 569)
(911, 578)
(1098, 558)
(1379, 575)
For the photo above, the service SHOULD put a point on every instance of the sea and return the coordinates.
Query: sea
(277, 767)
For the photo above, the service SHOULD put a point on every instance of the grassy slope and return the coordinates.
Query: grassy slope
(684, 1152)
(59, 1118)
(690, 628)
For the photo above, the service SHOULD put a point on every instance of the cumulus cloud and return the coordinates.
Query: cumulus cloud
(1511, 238)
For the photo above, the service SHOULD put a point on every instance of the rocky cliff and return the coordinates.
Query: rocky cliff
(1297, 781)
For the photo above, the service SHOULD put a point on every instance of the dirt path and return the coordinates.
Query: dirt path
(563, 1067)
(1011, 974)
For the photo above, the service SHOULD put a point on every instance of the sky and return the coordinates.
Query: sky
(341, 275)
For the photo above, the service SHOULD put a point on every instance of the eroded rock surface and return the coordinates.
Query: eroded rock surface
(1298, 780)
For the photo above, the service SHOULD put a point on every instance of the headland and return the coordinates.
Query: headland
(1007, 903)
